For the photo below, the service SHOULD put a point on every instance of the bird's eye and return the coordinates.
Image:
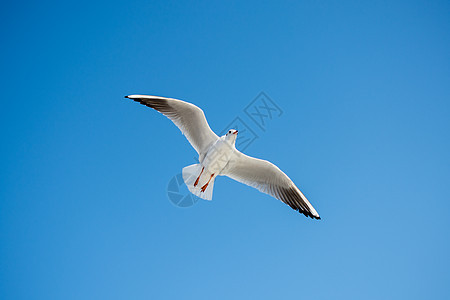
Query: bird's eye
(229, 131)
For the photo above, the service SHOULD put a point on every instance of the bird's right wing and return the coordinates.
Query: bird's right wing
(269, 179)
(189, 118)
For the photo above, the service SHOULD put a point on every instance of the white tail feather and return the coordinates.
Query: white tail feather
(190, 175)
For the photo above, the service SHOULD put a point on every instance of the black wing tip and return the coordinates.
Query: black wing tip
(158, 104)
(313, 216)
(293, 198)
(308, 214)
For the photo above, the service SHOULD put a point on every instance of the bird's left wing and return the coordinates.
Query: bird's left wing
(189, 118)
(269, 179)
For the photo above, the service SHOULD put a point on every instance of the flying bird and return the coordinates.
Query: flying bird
(218, 156)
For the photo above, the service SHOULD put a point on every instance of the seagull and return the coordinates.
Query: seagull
(218, 156)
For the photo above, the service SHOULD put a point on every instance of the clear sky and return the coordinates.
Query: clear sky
(364, 89)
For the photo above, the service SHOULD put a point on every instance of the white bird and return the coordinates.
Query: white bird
(219, 156)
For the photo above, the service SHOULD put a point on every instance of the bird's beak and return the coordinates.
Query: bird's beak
(235, 132)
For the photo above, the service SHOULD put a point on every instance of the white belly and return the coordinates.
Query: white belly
(217, 157)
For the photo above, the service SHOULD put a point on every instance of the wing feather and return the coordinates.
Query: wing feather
(269, 179)
(189, 118)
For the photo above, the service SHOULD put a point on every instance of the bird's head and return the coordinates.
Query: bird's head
(231, 135)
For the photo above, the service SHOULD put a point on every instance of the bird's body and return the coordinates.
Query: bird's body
(212, 163)
(219, 156)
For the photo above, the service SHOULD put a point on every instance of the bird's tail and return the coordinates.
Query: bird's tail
(190, 175)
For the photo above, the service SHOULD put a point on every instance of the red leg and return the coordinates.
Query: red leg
(206, 185)
(196, 182)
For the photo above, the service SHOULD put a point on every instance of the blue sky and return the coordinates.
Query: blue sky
(364, 89)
